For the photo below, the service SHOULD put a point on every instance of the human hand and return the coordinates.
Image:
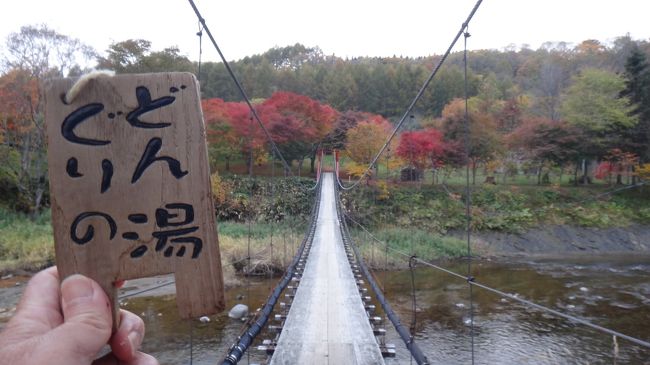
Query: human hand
(68, 324)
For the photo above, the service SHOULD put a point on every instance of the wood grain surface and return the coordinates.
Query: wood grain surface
(130, 188)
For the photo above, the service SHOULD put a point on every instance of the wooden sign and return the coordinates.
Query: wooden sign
(130, 185)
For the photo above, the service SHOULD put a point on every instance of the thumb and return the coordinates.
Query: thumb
(87, 320)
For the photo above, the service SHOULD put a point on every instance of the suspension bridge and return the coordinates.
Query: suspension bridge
(328, 315)
(328, 322)
(326, 312)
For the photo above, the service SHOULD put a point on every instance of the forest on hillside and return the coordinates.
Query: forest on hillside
(387, 85)
(580, 110)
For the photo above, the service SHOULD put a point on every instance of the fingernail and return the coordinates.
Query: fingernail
(76, 287)
(135, 338)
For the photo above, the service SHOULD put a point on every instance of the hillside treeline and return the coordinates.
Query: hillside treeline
(387, 85)
(561, 108)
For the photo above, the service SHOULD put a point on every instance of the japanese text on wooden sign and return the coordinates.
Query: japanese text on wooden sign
(129, 184)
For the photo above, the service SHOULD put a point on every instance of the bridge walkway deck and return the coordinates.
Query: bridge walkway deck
(327, 322)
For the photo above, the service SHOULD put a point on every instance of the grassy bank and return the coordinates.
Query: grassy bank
(27, 244)
(411, 218)
(272, 246)
(439, 209)
(402, 243)
(279, 208)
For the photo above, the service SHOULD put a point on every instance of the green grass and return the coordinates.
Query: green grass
(410, 241)
(28, 244)
(270, 247)
(457, 176)
(439, 209)
(25, 243)
(260, 229)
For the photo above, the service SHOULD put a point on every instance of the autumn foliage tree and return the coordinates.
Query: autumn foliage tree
(32, 55)
(252, 138)
(365, 139)
(223, 142)
(422, 149)
(484, 141)
(617, 163)
(298, 124)
(20, 137)
(547, 142)
(337, 138)
(136, 56)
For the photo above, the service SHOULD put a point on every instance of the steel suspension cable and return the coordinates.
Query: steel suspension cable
(418, 96)
(414, 308)
(274, 211)
(318, 173)
(198, 78)
(287, 169)
(529, 303)
(468, 194)
(200, 34)
(251, 181)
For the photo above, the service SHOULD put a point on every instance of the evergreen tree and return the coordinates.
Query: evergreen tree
(637, 89)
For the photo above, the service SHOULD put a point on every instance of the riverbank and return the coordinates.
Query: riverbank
(504, 208)
(563, 239)
(28, 247)
(543, 241)
(27, 244)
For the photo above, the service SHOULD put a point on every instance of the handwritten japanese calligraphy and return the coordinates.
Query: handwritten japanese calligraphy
(130, 187)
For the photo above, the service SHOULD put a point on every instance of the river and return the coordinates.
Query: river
(612, 291)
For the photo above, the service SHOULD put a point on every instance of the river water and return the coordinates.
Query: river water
(612, 291)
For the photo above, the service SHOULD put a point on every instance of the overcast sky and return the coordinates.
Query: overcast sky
(346, 28)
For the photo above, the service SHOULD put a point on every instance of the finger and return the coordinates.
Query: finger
(140, 358)
(127, 339)
(87, 318)
(39, 310)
